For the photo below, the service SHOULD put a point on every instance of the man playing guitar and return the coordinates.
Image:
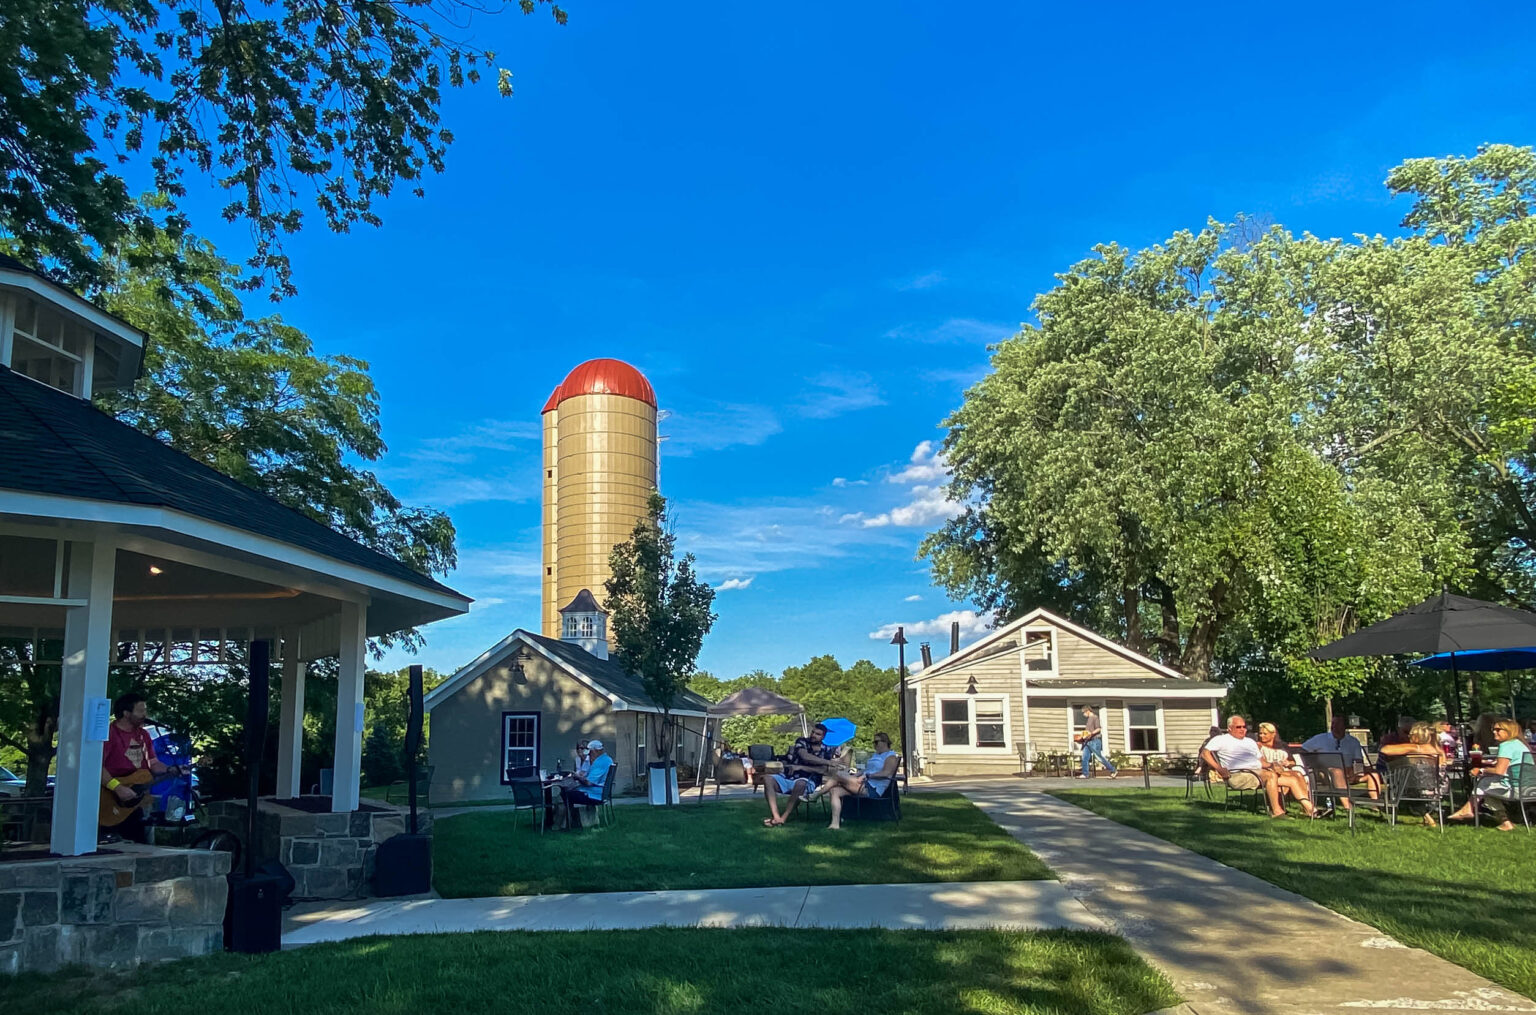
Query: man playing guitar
(128, 750)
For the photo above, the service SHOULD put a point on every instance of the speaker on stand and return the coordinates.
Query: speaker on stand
(253, 920)
(403, 863)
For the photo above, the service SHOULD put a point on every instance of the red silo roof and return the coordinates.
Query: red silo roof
(603, 377)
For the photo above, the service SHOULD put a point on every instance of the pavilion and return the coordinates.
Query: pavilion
(125, 550)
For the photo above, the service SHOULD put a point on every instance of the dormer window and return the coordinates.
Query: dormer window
(46, 347)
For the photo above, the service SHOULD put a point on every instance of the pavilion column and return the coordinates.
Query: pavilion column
(87, 649)
(348, 764)
(290, 729)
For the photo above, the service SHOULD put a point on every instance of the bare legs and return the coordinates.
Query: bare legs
(838, 795)
(1281, 782)
(771, 791)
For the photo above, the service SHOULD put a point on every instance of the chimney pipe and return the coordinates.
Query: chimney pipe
(954, 637)
(927, 655)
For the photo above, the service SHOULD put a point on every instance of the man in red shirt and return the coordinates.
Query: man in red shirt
(127, 750)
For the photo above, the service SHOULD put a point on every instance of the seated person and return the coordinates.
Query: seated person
(1337, 740)
(1236, 759)
(1289, 778)
(1423, 740)
(1399, 735)
(588, 791)
(1512, 754)
(874, 781)
(805, 766)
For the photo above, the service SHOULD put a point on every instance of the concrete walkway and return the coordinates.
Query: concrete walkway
(1012, 905)
(1231, 943)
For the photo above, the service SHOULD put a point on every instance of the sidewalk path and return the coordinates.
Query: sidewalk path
(1232, 943)
(1008, 905)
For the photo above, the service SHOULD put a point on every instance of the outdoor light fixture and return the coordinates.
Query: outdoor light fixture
(155, 570)
(970, 686)
(515, 668)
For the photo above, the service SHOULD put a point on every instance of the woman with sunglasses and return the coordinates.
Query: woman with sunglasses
(875, 780)
(1281, 767)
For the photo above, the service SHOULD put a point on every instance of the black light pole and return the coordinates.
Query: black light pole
(900, 641)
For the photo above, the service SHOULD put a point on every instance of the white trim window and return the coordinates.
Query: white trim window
(973, 723)
(519, 741)
(1144, 727)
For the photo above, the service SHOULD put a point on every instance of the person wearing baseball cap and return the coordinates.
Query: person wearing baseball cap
(588, 791)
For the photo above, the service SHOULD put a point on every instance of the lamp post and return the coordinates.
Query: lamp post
(900, 641)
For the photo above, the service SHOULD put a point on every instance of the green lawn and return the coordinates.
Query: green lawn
(663, 971)
(1467, 895)
(941, 837)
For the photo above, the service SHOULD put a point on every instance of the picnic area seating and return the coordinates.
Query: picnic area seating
(1326, 772)
(1416, 779)
(1521, 792)
(529, 793)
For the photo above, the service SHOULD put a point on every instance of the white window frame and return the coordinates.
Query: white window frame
(1125, 717)
(538, 730)
(970, 748)
(1050, 652)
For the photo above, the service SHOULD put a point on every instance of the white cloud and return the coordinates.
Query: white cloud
(842, 481)
(734, 583)
(487, 435)
(927, 280)
(972, 626)
(837, 393)
(928, 504)
(487, 601)
(913, 599)
(957, 330)
(731, 540)
(926, 465)
(493, 460)
(723, 426)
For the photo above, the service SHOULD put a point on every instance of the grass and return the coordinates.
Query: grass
(665, 971)
(1467, 895)
(941, 837)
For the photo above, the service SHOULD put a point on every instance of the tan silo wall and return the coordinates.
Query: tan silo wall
(551, 616)
(605, 471)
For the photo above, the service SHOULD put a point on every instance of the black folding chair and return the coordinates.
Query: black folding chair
(1330, 779)
(529, 793)
(1416, 779)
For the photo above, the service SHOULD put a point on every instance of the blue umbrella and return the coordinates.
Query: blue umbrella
(839, 731)
(1482, 659)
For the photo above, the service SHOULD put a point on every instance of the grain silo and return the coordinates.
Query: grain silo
(599, 471)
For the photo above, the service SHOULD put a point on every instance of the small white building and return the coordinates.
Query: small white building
(996, 705)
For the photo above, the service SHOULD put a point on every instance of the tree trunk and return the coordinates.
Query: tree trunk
(1328, 711)
(40, 749)
(1131, 598)
(666, 756)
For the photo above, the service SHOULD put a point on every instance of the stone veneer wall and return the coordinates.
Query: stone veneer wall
(142, 904)
(330, 855)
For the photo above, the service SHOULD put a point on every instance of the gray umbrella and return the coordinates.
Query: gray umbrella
(1443, 623)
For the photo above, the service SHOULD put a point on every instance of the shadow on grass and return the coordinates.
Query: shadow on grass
(942, 837)
(1466, 895)
(670, 972)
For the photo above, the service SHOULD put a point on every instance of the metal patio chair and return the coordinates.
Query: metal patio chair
(1415, 779)
(1327, 772)
(1520, 791)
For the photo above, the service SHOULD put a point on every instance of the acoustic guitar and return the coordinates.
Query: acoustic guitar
(114, 811)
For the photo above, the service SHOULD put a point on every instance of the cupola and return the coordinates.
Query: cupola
(54, 336)
(584, 623)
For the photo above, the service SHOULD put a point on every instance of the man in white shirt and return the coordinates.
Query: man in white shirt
(1235, 757)
(1337, 740)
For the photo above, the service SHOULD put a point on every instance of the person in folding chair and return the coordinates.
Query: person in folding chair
(805, 766)
(588, 791)
(874, 781)
(1235, 757)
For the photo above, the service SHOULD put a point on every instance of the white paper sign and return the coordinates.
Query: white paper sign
(98, 717)
(357, 721)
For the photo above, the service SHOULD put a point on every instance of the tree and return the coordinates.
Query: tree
(327, 102)
(659, 613)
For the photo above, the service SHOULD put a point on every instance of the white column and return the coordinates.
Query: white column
(290, 729)
(87, 648)
(348, 764)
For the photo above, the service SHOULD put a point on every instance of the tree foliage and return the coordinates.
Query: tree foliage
(864, 693)
(1242, 441)
(329, 103)
(659, 611)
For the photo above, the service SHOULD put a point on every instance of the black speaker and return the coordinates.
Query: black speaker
(259, 702)
(253, 920)
(403, 865)
(413, 721)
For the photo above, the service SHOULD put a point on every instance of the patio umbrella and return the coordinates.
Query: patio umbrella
(839, 731)
(1485, 660)
(1443, 623)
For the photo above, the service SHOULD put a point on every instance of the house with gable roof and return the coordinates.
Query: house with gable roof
(994, 706)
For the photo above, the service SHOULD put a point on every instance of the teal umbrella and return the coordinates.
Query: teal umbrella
(839, 731)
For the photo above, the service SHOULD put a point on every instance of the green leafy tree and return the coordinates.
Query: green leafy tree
(323, 103)
(659, 612)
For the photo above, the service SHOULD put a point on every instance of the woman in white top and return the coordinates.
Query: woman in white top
(1280, 766)
(874, 781)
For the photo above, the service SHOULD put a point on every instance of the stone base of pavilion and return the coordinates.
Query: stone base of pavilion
(119, 907)
(330, 854)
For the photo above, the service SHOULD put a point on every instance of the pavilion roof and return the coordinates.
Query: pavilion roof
(54, 443)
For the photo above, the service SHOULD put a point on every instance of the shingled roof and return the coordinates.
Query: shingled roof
(54, 443)
(612, 677)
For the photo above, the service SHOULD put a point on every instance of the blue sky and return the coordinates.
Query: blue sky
(805, 226)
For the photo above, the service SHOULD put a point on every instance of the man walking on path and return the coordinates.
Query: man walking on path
(1092, 739)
